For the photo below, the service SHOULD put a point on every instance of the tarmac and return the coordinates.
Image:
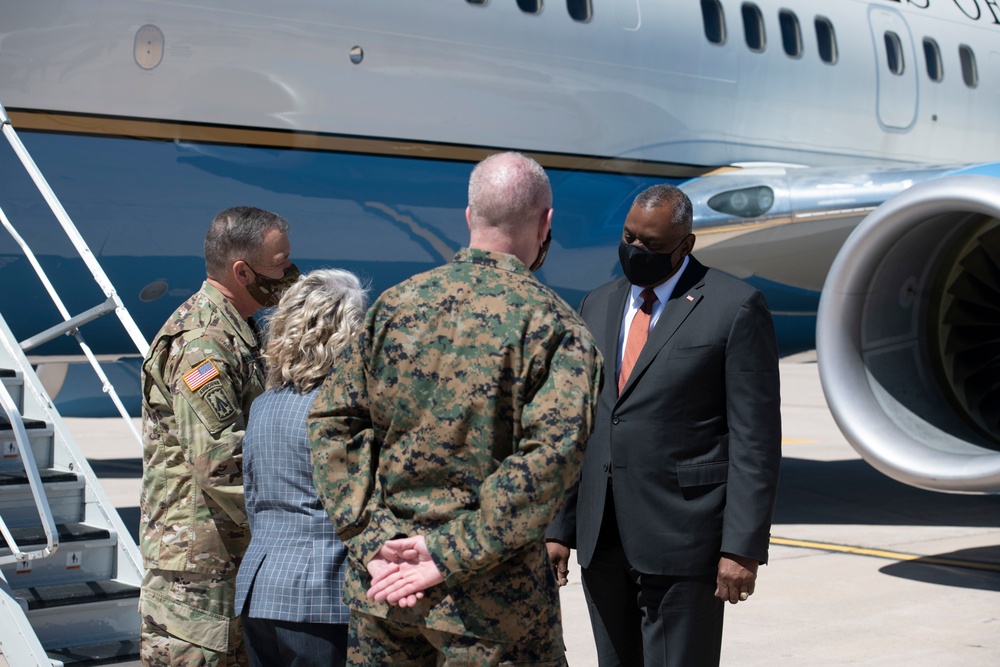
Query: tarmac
(863, 570)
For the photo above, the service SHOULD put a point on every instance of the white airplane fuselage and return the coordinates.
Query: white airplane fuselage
(360, 122)
(638, 81)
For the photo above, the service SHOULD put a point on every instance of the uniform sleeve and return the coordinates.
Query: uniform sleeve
(210, 423)
(563, 526)
(753, 411)
(249, 494)
(519, 499)
(345, 457)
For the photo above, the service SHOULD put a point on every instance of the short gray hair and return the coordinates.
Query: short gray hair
(314, 321)
(238, 233)
(669, 196)
(507, 190)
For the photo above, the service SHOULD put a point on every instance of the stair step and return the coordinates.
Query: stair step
(64, 490)
(28, 423)
(47, 597)
(15, 386)
(107, 653)
(47, 475)
(74, 615)
(40, 441)
(68, 532)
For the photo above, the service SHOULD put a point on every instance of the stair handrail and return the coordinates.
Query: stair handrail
(37, 489)
(88, 258)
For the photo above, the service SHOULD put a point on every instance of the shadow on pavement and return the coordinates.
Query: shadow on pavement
(852, 492)
(930, 569)
(117, 468)
(130, 517)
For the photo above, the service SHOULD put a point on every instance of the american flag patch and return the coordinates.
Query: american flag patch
(690, 298)
(199, 375)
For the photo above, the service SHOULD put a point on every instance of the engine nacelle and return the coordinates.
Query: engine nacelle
(908, 336)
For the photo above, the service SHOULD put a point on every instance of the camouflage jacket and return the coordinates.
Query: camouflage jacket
(470, 393)
(198, 381)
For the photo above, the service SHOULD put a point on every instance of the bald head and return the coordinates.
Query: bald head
(507, 194)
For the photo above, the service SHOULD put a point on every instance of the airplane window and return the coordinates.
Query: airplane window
(932, 54)
(826, 40)
(753, 27)
(714, 20)
(791, 36)
(894, 53)
(579, 10)
(970, 74)
(530, 6)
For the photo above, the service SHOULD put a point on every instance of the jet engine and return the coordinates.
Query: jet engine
(908, 336)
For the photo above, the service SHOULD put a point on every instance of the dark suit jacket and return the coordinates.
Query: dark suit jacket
(693, 444)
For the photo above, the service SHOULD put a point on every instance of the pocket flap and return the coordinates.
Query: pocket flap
(193, 625)
(699, 474)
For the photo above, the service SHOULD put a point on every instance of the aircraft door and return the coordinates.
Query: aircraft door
(896, 69)
(627, 14)
(993, 71)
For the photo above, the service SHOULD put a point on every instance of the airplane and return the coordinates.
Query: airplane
(841, 157)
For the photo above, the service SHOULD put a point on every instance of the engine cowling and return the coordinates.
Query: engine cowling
(908, 336)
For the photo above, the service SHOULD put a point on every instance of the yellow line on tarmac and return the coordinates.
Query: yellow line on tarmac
(890, 555)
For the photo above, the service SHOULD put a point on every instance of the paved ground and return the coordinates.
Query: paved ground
(818, 606)
(815, 604)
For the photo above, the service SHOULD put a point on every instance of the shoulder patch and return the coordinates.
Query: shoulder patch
(215, 396)
(200, 374)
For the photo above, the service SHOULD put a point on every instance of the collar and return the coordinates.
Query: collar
(663, 291)
(229, 312)
(495, 260)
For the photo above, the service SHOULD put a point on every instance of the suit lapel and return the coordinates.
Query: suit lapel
(685, 297)
(614, 309)
(613, 324)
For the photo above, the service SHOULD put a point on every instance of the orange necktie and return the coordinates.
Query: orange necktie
(638, 331)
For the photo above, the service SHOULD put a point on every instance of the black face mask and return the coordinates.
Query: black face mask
(267, 291)
(542, 253)
(643, 267)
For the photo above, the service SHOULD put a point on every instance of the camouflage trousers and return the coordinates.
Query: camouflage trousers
(188, 620)
(378, 642)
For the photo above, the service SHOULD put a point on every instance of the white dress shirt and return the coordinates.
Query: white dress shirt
(634, 303)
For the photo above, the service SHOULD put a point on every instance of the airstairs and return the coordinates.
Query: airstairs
(69, 570)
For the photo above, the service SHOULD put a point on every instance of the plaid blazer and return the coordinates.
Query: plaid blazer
(294, 566)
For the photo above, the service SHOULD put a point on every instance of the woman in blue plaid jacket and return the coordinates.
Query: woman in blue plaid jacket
(288, 589)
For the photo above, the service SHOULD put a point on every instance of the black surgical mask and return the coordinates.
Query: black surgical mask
(267, 291)
(643, 267)
(542, 253)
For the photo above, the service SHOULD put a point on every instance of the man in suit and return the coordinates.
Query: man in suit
(672, 513)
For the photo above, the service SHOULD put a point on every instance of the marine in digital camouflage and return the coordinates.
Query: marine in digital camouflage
(472, 389)
(199, 378)
(383, 642)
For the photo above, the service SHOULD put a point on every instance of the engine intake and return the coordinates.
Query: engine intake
(908, 336)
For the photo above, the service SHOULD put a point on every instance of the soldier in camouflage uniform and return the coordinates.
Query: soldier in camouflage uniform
(457, 421)
(199, 378)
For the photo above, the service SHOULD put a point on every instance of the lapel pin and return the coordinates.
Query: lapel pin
(689, 297)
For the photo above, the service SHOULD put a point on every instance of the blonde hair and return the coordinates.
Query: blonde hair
(315, 320)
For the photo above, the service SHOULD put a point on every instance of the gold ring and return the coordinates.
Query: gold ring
(744, 595)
